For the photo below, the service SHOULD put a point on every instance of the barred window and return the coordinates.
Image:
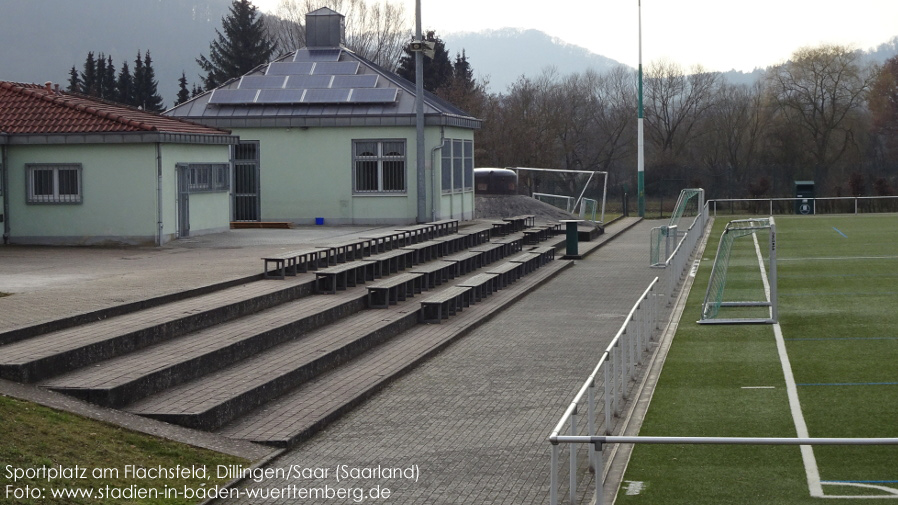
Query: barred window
(54, 183)
(206, 177)
(457, 165)
(379, 166)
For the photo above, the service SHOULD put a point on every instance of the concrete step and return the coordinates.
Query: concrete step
(301, 413)
(126, 379)
(41, 357)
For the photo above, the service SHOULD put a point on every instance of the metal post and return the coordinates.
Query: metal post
(600, 470)
(553, 478)
(607, 381)
(572, 239)
(640, 131)
(591, 413)
(419, 120)
(573, 453)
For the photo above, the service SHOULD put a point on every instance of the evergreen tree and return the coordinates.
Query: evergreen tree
(243, 46)
(110, 90)
(125, 86)
(89, 75)
(139, 89)
(152, 101)
(438, 71)
(196, 91)
(74, 80)
(183, 92)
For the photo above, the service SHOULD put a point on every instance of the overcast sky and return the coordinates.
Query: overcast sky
(720, 35)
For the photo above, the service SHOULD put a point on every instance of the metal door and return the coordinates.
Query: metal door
(246, 203)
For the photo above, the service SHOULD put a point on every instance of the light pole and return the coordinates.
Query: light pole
(640, 133)
(419, 119)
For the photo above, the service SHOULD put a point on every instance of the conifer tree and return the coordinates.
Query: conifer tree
(438, 70)
(74, 81)
(125, 86)
(243, 46)
(183, 92)
(108, 82)
(152, 101)
(89, 75)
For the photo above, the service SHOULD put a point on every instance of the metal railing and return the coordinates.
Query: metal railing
(823, 205)
(604, 392)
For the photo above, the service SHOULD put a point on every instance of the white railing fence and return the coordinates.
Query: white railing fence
(823, 205)
(600, 401)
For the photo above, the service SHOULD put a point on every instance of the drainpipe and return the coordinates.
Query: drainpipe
(437, 191)
(158, 194)
(4, 183)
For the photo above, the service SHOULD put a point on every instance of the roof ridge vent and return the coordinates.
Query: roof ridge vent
(325, 28)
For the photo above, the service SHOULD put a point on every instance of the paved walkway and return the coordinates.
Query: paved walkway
(473, 421)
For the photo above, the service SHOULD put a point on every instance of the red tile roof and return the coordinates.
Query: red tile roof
(35, 109)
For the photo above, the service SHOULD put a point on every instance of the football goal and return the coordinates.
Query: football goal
(579, 192)
(664, 239)
(742, 288)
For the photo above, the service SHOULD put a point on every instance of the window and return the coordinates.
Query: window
(206, 177)
(457, 166)
(54, 183)
(379, 166)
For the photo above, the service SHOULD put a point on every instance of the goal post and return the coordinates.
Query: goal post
(742, 288)
(580, 192)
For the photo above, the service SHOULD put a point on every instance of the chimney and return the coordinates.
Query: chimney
(48, 86)
(324, 29)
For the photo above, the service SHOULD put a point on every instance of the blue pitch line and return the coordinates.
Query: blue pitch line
(839, 232)
(850, 384)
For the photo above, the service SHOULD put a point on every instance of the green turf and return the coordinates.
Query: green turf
(37, 437)
(837, 305)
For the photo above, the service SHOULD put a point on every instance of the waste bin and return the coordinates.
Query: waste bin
(804, 197)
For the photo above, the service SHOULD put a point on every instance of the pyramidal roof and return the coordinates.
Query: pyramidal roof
(327, 86)
(31, 109)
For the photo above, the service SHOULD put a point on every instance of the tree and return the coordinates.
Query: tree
(89, 75)
(463, 90)
(242, 47)
(106, 75)
(820, 93)
(373, 31)
(125, 86)
(146, 95)
(74, 80)
(183, 92)
(883, 104)
(438, 71)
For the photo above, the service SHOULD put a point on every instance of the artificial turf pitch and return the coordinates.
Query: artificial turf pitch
(838, 310)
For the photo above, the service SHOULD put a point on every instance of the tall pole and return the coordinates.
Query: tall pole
(640, 132)
(419, 119)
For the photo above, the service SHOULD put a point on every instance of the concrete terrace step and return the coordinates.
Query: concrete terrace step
(125, 379)
(303, 412)
(40, 357)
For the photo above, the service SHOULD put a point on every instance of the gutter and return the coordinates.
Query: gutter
(158, 194)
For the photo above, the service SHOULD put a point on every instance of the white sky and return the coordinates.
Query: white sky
(719, 35)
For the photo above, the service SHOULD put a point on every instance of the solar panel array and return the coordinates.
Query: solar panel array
(314, 76)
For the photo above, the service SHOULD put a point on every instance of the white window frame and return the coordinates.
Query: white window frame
(207, 177)
(457, 165)
(51, 192)
(380, 158)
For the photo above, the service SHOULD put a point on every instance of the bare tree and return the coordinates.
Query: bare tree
(821, 93)
(376, 31)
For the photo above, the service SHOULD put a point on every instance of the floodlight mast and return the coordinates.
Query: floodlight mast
(640, 132)
(419, 119)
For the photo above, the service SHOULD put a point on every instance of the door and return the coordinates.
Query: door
(246, 203)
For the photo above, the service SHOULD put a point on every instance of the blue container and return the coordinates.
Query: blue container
(319, 221)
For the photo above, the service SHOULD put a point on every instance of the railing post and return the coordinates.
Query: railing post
(591, 414)
(600, 470)
(573, 453)
(553, 477)
(607, 380)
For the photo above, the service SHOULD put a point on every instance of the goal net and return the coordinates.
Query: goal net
(579, 192)
(742, 287)
(664, 239)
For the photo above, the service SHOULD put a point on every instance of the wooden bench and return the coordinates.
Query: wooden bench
(426, 251)
(512, 244)
(418, 233)
(291, 262)
(492, 252)
(482, 285)
(453, 243)
(546, 252)
(349, 250)
(530, 260)
(445, 227)
(518, 223)
(476, 235)
(435, 273)
(444, 304)
(342, 276)
(499, 227)
(390, 262)
(536, 234)
(393, 290)
(508, 273)
(465, 262)
(385, 241)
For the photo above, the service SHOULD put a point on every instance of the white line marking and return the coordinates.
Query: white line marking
(758, 387)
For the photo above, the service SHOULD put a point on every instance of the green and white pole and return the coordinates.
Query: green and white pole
(640, 132)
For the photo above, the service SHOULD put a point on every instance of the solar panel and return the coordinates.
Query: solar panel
(290, 68)
(308, 81)
(326, 95)
(336, 68)
(379, 95)
(262, 81)
(317, 55)
(354, 81)
(280, 96)
(233, 96)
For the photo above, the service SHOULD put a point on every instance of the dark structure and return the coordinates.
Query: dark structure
(495, 181)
